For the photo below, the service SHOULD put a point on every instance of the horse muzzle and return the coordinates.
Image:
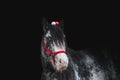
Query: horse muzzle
(61, 65)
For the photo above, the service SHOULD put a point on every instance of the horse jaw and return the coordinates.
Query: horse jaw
(61, 62)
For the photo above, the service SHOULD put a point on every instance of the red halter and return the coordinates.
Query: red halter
(53, 53)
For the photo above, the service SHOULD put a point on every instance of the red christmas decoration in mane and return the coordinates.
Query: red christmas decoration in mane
(55, 23)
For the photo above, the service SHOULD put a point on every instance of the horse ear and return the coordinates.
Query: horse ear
(45, 24)
(62, 23)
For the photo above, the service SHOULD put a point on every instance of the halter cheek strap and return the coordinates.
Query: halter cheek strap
(53, 53)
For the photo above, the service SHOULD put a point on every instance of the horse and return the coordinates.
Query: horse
(60, 62)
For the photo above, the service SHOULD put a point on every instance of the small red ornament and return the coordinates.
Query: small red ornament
(55, 23)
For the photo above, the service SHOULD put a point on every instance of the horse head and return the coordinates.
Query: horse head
(54, 45)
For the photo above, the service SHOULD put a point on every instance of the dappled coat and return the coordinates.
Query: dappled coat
(78, 65)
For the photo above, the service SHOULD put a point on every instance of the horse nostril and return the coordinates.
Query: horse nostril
(60, 60)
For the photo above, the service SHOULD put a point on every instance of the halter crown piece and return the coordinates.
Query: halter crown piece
(53, 53)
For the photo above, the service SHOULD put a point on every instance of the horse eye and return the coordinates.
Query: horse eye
(49, 39)
(64, 35)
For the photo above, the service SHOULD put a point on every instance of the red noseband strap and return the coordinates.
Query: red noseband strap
(53, 53)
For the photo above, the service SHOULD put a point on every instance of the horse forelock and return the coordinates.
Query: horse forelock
(55, 37)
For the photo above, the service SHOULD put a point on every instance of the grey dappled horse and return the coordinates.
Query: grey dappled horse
(59, 62)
